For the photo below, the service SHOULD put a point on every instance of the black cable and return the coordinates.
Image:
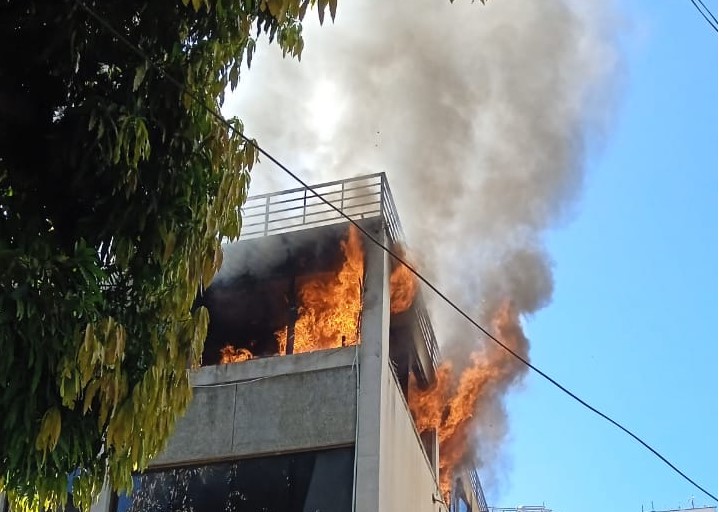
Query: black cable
(707, 10)
(713, 24)
(386, 249)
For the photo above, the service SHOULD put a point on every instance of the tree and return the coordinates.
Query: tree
(116, 188)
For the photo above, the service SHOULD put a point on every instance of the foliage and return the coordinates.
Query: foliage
(115, 189)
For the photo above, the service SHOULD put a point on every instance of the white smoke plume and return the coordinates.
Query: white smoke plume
(480, 116)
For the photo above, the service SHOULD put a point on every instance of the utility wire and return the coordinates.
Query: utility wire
(132, 46)
(712, 21)
(707, 10)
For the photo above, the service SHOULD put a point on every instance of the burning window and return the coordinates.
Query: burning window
(328, 305)
(294, 293)
(319, 481)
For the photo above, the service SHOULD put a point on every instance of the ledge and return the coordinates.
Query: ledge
(273, 366)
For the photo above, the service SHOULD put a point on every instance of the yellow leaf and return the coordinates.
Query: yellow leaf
(89, 336)
(121, 337)
(169, 247)
(208, 272)
(49, 430)
(89, 395)
(218, 256)
(275, 7)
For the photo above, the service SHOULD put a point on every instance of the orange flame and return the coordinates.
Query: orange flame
(453, 402)
(230, 354)
(330, 304)
(402, 289)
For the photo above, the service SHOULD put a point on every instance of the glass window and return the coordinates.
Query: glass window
(301, 482)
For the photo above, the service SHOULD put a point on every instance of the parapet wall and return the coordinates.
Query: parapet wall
(265, 406)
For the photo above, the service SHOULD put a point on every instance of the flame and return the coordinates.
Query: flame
(402, 289)
(230, 354)
(452, 404)
(330, 304)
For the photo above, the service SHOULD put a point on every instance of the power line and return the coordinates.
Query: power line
(707, 10)
(136, 49)
(712, 21)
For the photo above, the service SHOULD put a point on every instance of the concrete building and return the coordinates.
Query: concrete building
(325, 430)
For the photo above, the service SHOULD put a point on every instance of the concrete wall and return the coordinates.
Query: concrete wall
(393, 473)
(374, 366)
(264, 406)
(103, 501)
(408, 481)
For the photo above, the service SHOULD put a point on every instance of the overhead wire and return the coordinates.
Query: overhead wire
(706, 14)
(707, 10)
(218, 117)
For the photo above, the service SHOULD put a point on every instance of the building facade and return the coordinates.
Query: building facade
(288, 416)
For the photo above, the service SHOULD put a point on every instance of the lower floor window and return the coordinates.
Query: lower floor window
(319, 481)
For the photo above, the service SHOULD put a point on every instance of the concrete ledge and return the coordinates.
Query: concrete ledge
(267, 406)
(273, 366)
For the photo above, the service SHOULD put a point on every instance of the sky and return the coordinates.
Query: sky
(632, 322)
(632, 326)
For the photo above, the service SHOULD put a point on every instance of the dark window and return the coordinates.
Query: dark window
(301, 482)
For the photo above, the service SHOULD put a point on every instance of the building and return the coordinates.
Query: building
(691, 509)
(289, 416)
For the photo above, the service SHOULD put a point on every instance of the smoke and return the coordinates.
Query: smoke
(481, 116)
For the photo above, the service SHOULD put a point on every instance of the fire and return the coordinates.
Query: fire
(402, 288)
(230, 354)
(454, 401)
(330, 304)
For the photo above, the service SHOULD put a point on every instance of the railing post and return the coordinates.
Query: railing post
(381, 197)
(304, 207)
(342, 198)
(267, 214)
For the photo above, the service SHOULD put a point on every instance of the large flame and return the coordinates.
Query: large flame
(451, 405)
(330, 304)
(402, 289)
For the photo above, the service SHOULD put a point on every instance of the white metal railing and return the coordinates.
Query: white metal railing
(540, 508)
(477, 488)
(300, 208)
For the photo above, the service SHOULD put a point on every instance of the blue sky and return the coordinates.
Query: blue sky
(632, 327)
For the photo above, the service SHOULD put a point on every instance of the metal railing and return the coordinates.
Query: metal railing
(358, 198)
(299, 208)
(539, 508)
(460, 502)
(477, 489)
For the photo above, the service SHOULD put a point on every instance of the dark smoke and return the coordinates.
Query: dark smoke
(480, 115)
